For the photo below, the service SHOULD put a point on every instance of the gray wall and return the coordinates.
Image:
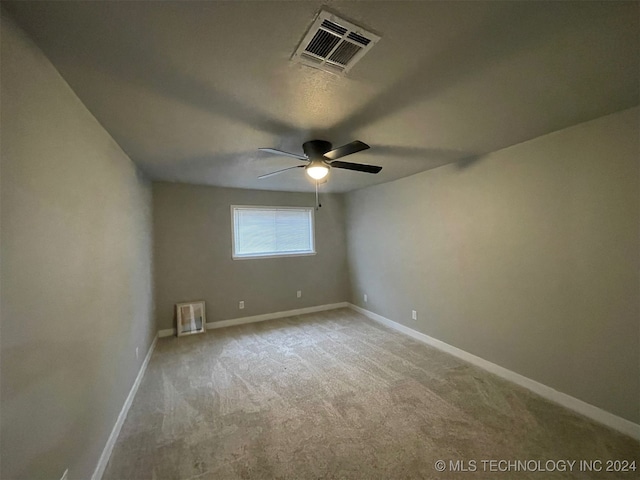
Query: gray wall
(192, 234)
(527, 257)
(76, 272)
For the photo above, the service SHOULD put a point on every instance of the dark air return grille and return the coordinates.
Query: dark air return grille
(333, 44)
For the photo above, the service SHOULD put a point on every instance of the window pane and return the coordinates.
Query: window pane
(292, 231)
(256, 231)
(272, 231)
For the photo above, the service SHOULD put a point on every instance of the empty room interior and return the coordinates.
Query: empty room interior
(307, 239)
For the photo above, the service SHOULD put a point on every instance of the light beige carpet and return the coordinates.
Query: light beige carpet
(335, 395)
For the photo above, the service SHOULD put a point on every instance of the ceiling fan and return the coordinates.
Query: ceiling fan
(321, 158)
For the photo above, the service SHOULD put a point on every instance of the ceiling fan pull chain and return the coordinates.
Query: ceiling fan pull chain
(318, 205)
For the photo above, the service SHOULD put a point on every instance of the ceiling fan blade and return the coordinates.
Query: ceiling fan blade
(280, 171)
(286, 154)
(353, 147)
(358, 167)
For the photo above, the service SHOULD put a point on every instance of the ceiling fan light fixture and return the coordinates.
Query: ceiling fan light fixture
(317, 170)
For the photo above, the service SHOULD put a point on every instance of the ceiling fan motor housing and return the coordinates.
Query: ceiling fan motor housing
(315, 149)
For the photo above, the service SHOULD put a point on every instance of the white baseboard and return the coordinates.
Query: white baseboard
(595, 413)
(108, 448)
(261, 318)
(167, 332)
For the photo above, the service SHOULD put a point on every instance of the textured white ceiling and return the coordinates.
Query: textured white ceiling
(190, 90)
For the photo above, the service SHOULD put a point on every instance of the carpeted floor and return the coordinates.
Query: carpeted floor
(335, 395)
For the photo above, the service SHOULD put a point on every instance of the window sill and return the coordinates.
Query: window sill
(254, 257)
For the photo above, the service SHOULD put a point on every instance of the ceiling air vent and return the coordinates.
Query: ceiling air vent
(333, 44)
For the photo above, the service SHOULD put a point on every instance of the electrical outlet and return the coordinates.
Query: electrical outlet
(241, 304)
(365, 298)
(64, 475)
(299, 293)
(414, 315)
(136, 353)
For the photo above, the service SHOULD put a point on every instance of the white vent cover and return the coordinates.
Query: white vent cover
(333, 44)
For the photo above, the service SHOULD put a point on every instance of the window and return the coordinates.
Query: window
(272, 231)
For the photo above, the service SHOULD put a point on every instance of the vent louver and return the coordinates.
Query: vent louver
(333, 44)
(358, 38)
(334, 27)
(345, 52)
(322, 43)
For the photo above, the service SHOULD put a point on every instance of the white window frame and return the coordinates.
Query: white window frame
(312, 233)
